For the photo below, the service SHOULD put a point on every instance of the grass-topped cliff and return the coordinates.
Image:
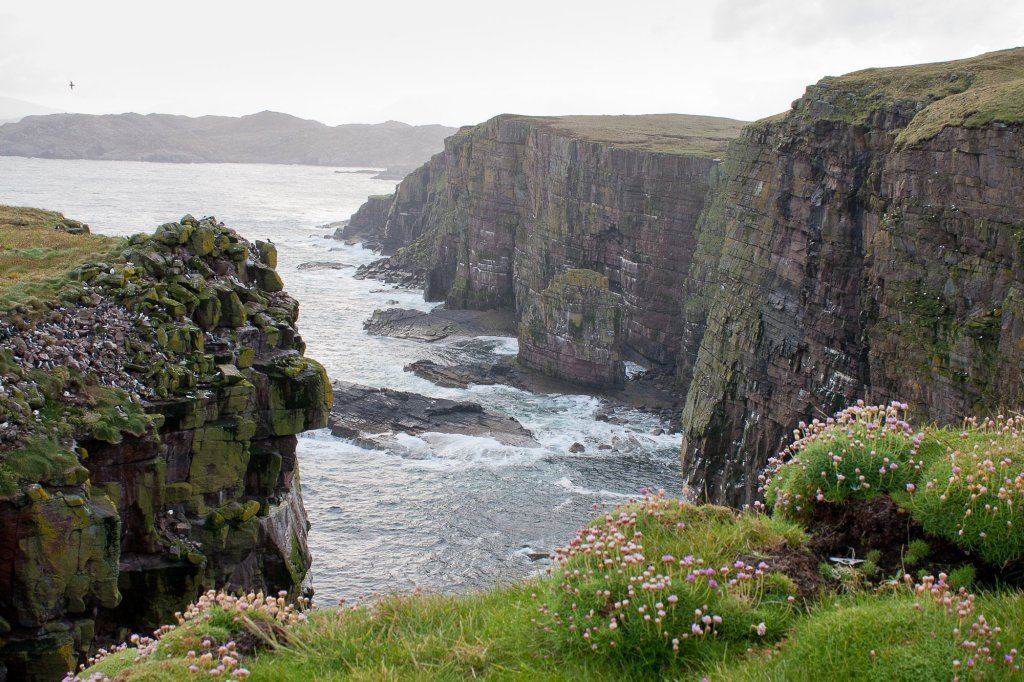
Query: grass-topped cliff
(150, 393)
(704, 136)
(969, 92)
(876, 567)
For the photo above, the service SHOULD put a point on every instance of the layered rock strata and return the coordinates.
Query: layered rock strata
(573, 330)
(516, 201)
(866, 244)
(154, 411)
(857, 250)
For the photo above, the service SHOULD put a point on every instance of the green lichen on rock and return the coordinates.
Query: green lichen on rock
(573, 331)
(133, 462)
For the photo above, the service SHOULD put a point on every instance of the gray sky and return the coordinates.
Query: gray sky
(457, 62)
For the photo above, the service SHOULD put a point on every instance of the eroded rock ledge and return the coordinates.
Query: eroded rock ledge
(154, 410)
(371, 417)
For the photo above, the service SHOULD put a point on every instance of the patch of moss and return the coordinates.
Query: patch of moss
(114, 413)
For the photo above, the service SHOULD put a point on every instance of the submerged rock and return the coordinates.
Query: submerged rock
(372, 415)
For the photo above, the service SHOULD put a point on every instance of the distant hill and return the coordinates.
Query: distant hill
(266, 137)
(12, 109)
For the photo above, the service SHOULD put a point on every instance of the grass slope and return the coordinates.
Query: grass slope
(968, 92)
(662, 589)
(686, 135)
(34, 257)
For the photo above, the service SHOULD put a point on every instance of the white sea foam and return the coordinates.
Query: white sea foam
(503, 345)
(566, 484)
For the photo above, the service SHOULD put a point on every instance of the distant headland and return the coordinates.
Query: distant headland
(266, 137)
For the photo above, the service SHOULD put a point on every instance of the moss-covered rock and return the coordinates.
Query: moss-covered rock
(186, 482)
(574, 330)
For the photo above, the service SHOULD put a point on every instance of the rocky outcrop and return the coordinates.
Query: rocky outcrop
(153, 454)
(440, 323)
(516, 201)
(365, 223)
(573, 331)
(372, 416)
(855, 250)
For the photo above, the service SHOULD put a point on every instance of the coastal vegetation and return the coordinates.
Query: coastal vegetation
(38, 248)
(664, 589)
(702, 136)
(970, 93)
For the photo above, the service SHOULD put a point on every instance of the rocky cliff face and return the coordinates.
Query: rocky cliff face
(149, 450)
(866, 244)
(513, 203)
(573, 330)
(855, 249)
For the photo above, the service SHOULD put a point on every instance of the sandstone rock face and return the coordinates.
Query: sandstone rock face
(866, 244)
(836, 262)
(187, 483)
(516, 201)
(573, 330)
(365, 223)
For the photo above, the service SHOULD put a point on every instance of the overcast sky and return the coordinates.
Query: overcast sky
(457, 62)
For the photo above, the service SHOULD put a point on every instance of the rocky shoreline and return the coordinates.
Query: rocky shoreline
(649, 391)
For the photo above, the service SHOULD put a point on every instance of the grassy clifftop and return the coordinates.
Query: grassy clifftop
(38, 247)
(968, 92)
(701, 136)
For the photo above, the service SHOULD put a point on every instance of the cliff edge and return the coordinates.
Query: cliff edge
(866, 244)
(517, 201)
(149, 403)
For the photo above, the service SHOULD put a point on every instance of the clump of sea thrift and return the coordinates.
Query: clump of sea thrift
(861, 452)
(264, 618)
(977, 640)
(648, 581)
(974, 494)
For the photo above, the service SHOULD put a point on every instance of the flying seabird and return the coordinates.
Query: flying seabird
(71, 84)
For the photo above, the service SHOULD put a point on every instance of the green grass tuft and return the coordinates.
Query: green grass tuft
(38, 460)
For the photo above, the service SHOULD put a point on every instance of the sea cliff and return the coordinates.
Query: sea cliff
(865, 244)
(858, 249)
(516, 201)
(149, 411)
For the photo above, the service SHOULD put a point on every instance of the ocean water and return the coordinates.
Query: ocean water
(438, 512)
